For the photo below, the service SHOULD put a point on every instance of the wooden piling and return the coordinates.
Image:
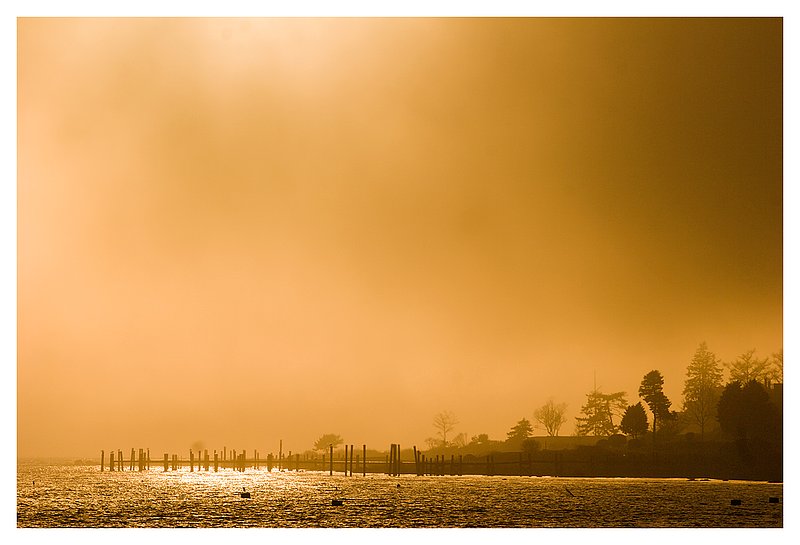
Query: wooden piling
(331, 460)
(364, 460)
(148, 459)
(102, 459)
(133, 455)
(280, 455)
(120, 461)
(460, 464)
(166, 463)
(216, 461)
(111, 461)
(205, 456)
(191, 460)
(351, 460)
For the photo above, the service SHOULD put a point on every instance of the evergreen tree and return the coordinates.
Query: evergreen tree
(702, 388)
(634, 421)
(599, 412)
(520, 432)
(651, 390)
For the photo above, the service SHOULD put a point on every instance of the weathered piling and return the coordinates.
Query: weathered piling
(460, 465)
(280, 455)
(141, 459)
(166, 462)
(270, 462)
(331, 460)
(148, 459)
(364, 460)
(102, 459)
(133, 456)
(205, 456)
(397, 462)
(216, 461)
(351, 460)
(111, 461)
(120, 461)
(191, 460)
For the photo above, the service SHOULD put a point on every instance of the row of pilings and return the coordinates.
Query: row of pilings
(350, 463)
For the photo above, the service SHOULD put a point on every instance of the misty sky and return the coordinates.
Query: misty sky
(236, 231)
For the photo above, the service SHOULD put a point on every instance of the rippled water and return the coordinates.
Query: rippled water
(71, 496)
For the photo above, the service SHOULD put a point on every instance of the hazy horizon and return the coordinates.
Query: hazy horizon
(237, 231)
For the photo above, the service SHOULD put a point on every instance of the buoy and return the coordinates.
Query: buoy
(736, 502)
(244, 494)
(773, 500)
(337, 502)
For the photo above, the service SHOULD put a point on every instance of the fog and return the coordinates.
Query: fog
(239, 231)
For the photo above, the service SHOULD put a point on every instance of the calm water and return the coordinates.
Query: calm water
(72, 496)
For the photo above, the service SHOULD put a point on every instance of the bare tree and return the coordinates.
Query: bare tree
(551, 416)
(748, 367)
(444, 422)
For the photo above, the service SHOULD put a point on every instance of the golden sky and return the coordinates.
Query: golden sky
(235, 231)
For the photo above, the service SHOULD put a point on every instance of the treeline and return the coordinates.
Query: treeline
(721, 422)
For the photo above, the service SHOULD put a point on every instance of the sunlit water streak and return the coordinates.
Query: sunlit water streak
(82, 496)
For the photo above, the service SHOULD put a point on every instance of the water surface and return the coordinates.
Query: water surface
(82, 496)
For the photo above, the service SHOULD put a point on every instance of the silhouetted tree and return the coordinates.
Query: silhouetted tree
(634, 421)
(776, 367)
(746, 414)
(324, 442)
(702, 388)
(748, 367)
(444, 422)
(599, 412)
(551, 416)
(521, 431)
(651, 390)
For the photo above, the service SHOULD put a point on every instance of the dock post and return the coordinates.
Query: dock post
(331, 459)
(344, 464)
(166, 463)
(280, 455)
(416, 461)
(148, 459)
(191, 460)
(397, 461)
(460, 464)
(102, 459)
(351, 460)
(111, 460)
(216, 461)
(133, 459)
(364, 458)
(205, 455)
(452, 464)
(224, 455)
